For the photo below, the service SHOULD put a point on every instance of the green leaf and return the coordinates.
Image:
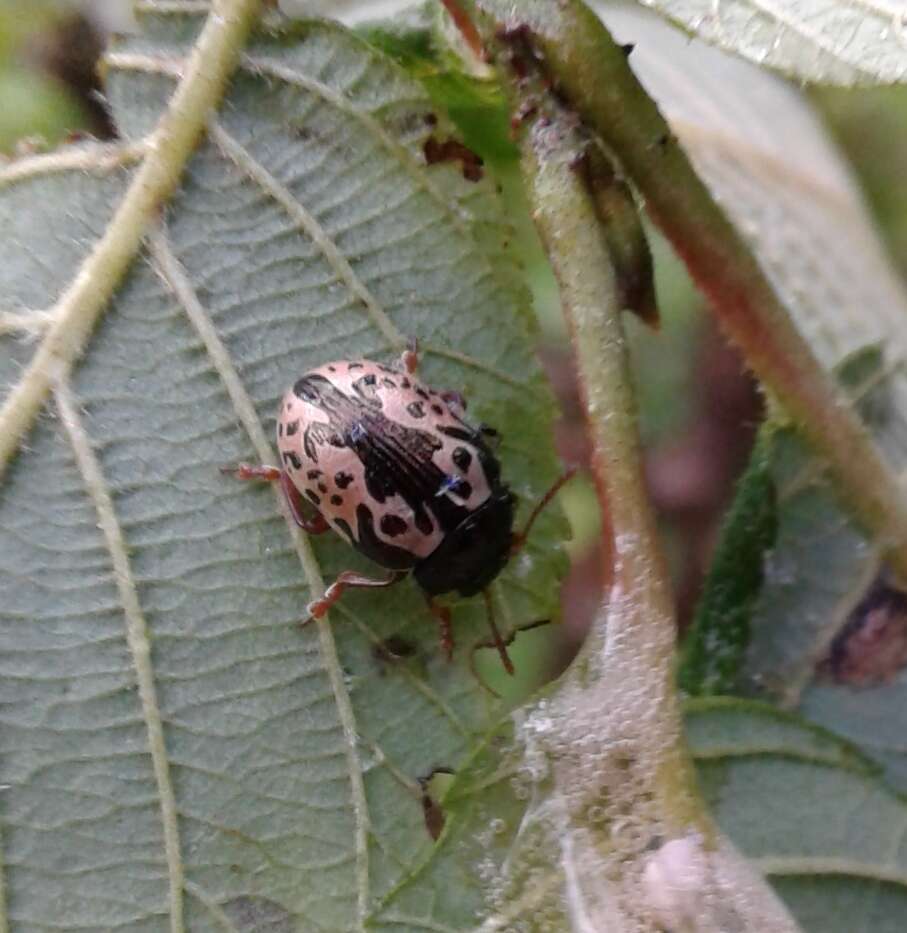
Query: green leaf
(809, 810)
(177, 753)
(830, 41)
(757, 144)
(716, 643)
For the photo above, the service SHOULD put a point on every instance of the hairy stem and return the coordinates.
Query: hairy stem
(592, 72)
(613, 728)
(634, 635)
(175, 138)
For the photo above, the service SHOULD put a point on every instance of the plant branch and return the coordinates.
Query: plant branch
(633, 637)
(591, 71)
(78, 309)
(612, 728)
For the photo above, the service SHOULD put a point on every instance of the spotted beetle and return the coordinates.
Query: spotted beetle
(390, 465)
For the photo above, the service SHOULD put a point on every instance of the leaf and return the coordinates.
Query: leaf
(177, 752)
(809, 810)
(759, 147)
(716, 643)
(831, 41)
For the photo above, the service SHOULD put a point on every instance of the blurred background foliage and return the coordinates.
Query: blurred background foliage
(698, 409)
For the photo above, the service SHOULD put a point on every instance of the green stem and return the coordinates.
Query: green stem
(592, 72)
(612, 726)
(174, 140)
(633, 639)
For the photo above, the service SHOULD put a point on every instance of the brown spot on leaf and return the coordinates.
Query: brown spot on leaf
(394, 648)
(451, 150)
(871, 649)
(432, 811)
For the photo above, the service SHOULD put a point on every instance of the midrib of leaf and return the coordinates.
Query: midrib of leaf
(260, 65)
(136, 638)
(78, 308)
(177, 281)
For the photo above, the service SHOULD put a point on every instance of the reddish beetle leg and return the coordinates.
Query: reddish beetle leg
(442, 614)
(409, 359)
(349, 579)
(314, 525)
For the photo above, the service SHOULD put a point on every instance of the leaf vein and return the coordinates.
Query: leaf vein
(136, 637)
(256, 172)
(457, 214)
(177, 281)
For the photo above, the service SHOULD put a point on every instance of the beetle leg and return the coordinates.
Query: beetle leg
(409, 359)
(442, 614)
(269, 474)
(315, 525)
(491, 643)
(347, 580)
(519, 537)
(496, 639)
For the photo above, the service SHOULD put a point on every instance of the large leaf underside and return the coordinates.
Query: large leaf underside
(176, 752)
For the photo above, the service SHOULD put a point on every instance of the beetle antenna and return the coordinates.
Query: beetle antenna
(520, 537)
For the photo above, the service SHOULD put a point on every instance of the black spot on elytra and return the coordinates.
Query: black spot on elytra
(457, 485)
(313, 474)
(292, 458)
(314, 498)
(332, 369)
(487, 459)
(392, 525)
(388, 383)
(462, 458)
(322, 488)
(303, 389)
(387, 369)
(364, 387)
(416, 409)
(437, 409)
(422, 394)
(280, 429)
(353, 366)
(397, 460)
(336, 500)
(461, 488)
(292, 427)
(388, 555)
(405, 383)
(343, 479)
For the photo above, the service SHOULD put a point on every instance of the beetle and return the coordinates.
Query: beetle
(392, 467)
